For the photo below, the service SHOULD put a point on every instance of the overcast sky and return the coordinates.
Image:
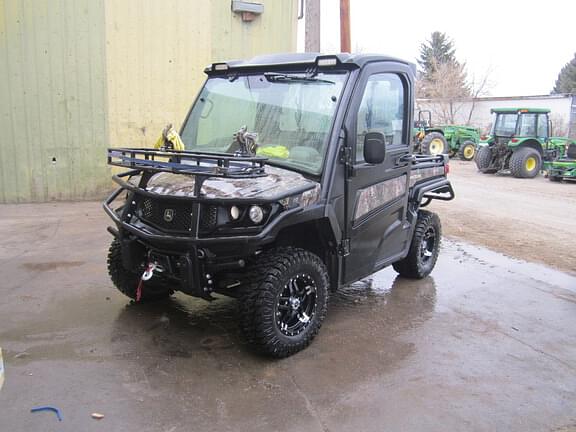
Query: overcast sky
(523, 43)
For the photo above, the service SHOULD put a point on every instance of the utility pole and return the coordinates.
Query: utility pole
(312, 26)
(345, 26)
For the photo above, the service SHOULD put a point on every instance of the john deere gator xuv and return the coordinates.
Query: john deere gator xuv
(519, 141)
(297, 178)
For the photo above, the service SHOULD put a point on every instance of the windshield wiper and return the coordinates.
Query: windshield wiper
(279, 77)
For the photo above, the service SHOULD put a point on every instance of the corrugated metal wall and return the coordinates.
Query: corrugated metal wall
(156, 56)
(77, 76)
(53, 128)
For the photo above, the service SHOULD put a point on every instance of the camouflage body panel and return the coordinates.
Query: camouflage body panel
(277, 181)
(378, 194)
(419, 174)
(309, 197)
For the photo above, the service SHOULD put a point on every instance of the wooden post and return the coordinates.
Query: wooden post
(312, 26)
(345, 26)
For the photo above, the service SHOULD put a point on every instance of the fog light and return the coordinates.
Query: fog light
(256, 214)
(234, 212)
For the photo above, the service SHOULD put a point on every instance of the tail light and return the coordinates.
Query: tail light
(514, 140)
(446, 168)
(483, 137)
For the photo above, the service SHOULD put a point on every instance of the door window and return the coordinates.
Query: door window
(527, 125)
(542, 125)
(381, 110)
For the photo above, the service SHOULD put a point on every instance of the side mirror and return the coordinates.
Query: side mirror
(374, 148)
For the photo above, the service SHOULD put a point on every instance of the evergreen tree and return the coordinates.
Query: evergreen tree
(440, 75)
(566, 82)
(439, 49)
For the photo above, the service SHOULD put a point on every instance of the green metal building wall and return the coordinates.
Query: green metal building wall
(53, 129)
(78, 76)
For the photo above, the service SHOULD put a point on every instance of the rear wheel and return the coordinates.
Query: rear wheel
(127, 280)
(434, 143)
(284, 301)
(467, 151)
(525, 162)
(484, 160)
(424, 247)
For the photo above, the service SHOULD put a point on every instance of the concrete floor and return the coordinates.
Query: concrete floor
(487, 343)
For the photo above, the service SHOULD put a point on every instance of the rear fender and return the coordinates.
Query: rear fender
(528, 142)
(430, 130)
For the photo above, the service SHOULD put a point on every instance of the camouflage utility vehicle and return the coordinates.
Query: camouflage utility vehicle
(454, 140)
(297, 178)
(519, 141)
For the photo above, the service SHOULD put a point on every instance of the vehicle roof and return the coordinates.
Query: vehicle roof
(296, 59)
(516, 110)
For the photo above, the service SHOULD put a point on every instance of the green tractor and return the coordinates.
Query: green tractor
(519, 141)
(450, 139)
(563, 167)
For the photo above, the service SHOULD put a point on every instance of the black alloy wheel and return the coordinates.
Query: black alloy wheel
(296, 305)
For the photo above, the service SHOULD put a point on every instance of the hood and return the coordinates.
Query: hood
(277, 181)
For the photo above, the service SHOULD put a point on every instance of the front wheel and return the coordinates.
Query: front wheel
(127, 280)
(467, 151)
(525, 162)
(424, 248)
(284, 301)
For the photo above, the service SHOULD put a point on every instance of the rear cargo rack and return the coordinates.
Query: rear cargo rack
(188, 162)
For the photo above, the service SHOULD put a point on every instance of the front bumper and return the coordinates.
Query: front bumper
(192, 261)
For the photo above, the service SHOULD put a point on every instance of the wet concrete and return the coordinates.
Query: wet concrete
(486, 343)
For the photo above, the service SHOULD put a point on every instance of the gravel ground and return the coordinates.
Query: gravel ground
(530, 219)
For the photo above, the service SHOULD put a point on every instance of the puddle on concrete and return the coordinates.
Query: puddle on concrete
(497, 262)
(387, 342)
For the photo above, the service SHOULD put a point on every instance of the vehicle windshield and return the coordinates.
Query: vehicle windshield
(505, 125)
(290, 113)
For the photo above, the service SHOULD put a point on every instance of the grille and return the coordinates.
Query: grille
(167, 215)
(208, 217)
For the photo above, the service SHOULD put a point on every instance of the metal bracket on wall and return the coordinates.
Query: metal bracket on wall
(248, 10)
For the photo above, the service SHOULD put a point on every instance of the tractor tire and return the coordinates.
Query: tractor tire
(483, 160)
(467, 151)
(525, 163)
(126, 281)
(284, 301)
(434, 144)
(424, 248)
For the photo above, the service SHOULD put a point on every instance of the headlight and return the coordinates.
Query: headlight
(234, 212)
(256, 214)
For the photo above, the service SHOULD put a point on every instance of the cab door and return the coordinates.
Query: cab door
(376, 194)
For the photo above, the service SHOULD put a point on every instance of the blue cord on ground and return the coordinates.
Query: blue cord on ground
(48, 408)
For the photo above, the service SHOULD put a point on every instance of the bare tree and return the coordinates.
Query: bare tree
(479, 86)
(447, 87)
(559, 126)
(451, 95)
